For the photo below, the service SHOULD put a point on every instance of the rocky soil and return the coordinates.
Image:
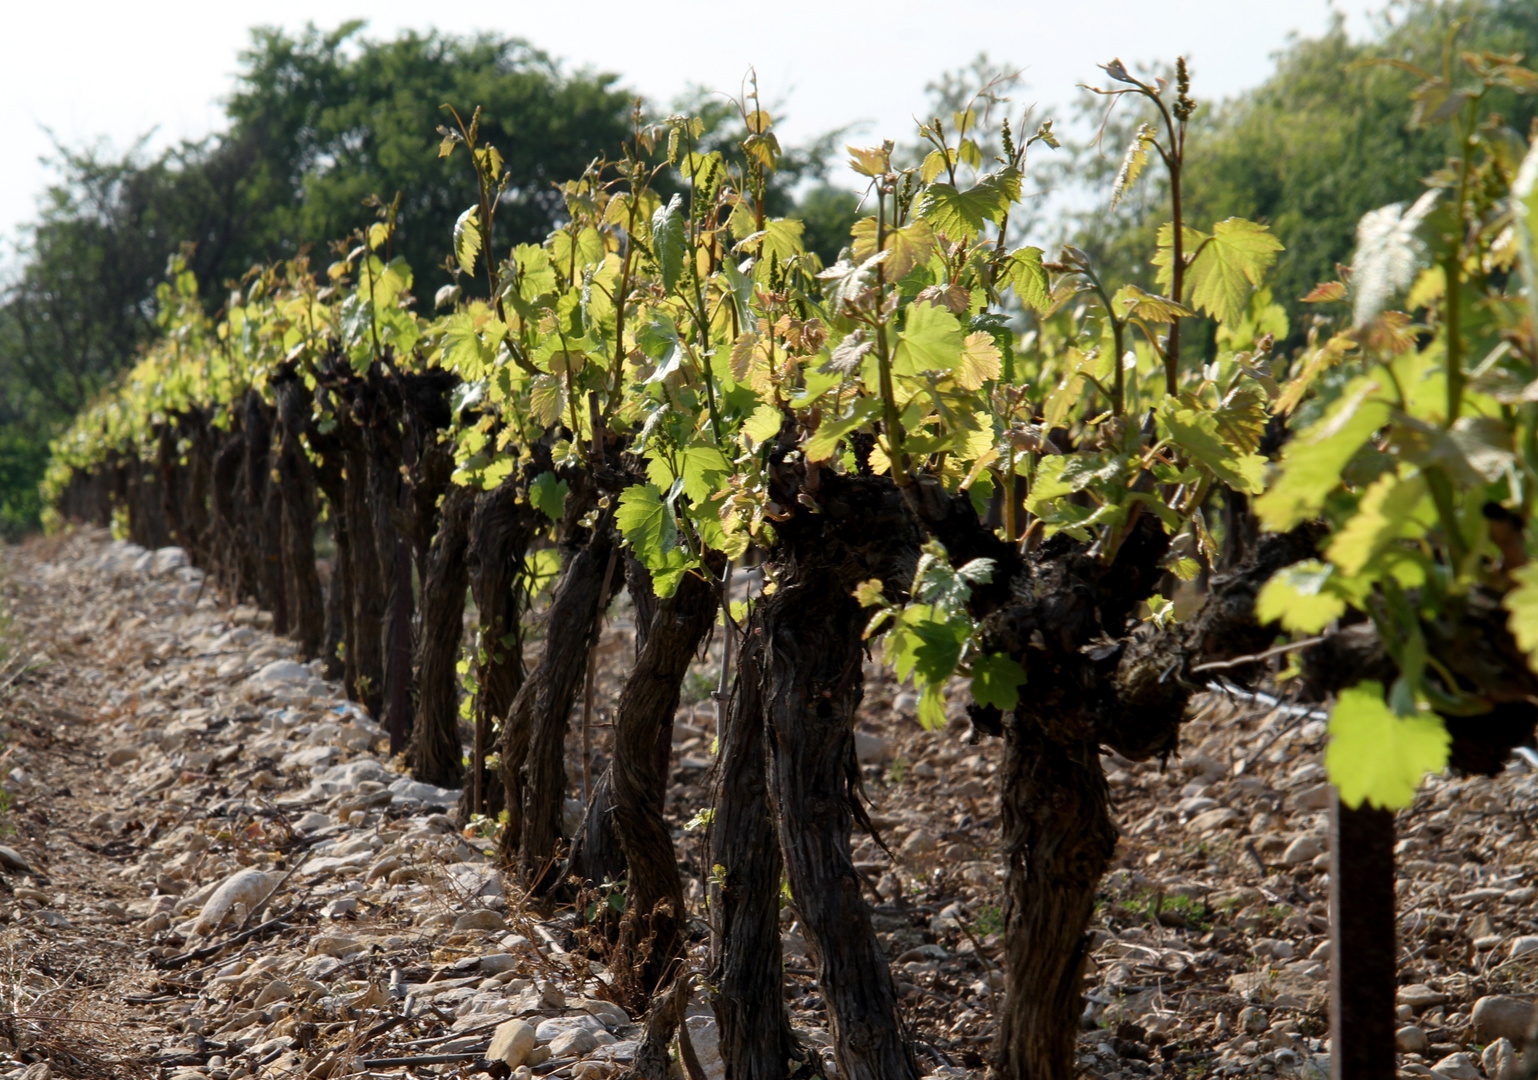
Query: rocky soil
(211, 869)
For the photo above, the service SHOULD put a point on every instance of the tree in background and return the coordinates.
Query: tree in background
(319, 122)
(1309, 151)
(329, 119)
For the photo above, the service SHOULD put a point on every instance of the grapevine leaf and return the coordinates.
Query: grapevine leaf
(930, 341)
(647, 523)
(1228, 265)
(1132, 302)
(1133, 163)
(961, 215)
(1298, 596)
(1325, 293)
(547, 493)
(1522, 603)
(1524, 209)
(821, 445)
(705, 471)
(1388, 254)
(668, 241)
(763, 425)
(1196, 431)
(547, 399)
(1393, 507)
(467, 239)
(1377, 757)
(996, 681)
(1313, 460)
(1029, 279)
(980, 361)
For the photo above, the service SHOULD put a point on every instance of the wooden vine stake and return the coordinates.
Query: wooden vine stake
(1362, 942)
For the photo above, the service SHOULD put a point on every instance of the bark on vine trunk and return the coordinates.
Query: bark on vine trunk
(812, 629)
(1058, 840)
(500, 531)
(532, 743)
(746, 961)
(654, 898)
(434, 751)
(340, 648)
(296, 481)
(367, 581)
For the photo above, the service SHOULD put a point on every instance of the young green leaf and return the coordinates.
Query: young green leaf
(1393, 507)
(1299, 597)
(1231, 263)
(996, 681)
(1312, 461)
(668, 241)
(1377, 757)
(1522, 604)
(646, 522)
(547, 493)
(467, 239)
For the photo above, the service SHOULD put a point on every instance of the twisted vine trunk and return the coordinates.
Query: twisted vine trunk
(746, 961)
(597, 856)
(296, 482)
(367, 649)
(501, 529)
(532, 746)
(651, 933)
(263, 513)
(434, 751)
(1058, 841)
(340, 647)
(814, 683)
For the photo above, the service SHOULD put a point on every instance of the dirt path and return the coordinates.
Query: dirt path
(160, 745)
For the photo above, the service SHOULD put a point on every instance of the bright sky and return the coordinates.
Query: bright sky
(118, 71)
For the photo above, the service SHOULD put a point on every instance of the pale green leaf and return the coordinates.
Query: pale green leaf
(1029, 278)
(930, 341)
(980, 361)
(764, 424)
(467, 239)
(668, 246)
(1392, 508)
(1298, 596)
(1522, 604)
(1231, 263)
(824, 441)
(996, 681)
(1312, 461)
(1377, 757)
(547, 493)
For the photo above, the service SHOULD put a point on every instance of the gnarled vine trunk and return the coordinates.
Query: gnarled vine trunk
(654, 898)
(296, 482)
(746, 962)
(532, 746)
(434, 751)
(501, 528)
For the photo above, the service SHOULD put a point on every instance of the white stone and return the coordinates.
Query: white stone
(1457, 1067)
(245, 887)
(549, 1029)
(511, 1043)
(1302, 850)
(1501, 1061)
(572, 1043)
(1497, 1016)
(1524, 946)
(412, 792)
(281, 671)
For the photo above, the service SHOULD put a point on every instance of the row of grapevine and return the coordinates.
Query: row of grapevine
(995, 464)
